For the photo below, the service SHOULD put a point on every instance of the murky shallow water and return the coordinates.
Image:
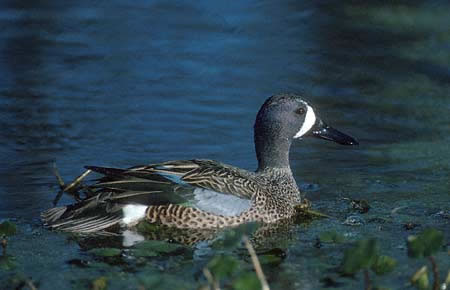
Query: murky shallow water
(122, 84)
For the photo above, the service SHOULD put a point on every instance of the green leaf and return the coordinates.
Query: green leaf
(331, 237)
(158, 280)
(269, 259)
(383, 265)
(158, 246)
(433, 240)
(143, 253)
(361, 256)
(416, 248)
(247, 281)
(425, 244)
(7, 263)
(106, 252)
(223, 266)
(101, 283)
(420, 279)
(146, 227)
(98, 265)
(7, 228)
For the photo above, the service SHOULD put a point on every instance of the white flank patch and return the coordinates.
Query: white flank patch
(309, 121)
(130, 238)
(133, 213)
(220, 203)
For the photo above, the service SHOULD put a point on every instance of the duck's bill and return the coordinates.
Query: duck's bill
(323, 131)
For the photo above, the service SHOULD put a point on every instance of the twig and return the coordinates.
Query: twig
(60, 183)
(211, 279)
(447, 280)
(69, 187)
(316, 213)
(58, 197)
(418, 274)
(256, 264)
(367, 283)
(77, 181)
(58, 176)
(30, 284)
(395, 210)
(434, 268)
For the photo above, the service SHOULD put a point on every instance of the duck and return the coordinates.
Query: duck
(202, 193)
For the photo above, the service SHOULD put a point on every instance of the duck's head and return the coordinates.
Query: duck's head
(283, 118)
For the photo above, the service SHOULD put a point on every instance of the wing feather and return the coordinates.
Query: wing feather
(172, 182)
(206, 174)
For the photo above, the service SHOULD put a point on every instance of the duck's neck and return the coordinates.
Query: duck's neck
(272, 151)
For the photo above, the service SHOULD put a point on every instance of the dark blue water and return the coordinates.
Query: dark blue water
(121, 84)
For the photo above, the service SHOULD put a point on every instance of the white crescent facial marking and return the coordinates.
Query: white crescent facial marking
(309, 121)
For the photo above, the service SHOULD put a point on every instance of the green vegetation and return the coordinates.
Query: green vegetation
(383, 265)
(7, 263)
(425, 245)
(106, 252)
(364, 256)
(225, 270)
(152, 248)
(331, 237)
(101, 283)
(420, 279)
(7, 229)
(229, 272)
(234, 264)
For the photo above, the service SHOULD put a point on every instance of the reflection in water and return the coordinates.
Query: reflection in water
(263, 237)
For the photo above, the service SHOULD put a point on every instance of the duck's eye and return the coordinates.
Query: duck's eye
(300, 111)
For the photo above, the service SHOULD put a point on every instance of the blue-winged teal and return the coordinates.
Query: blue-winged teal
(203, 193)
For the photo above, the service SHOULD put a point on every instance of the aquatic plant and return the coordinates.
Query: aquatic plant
(223, 267)
(364, 256)
(7, 229)
(101, 283)
(425, 245)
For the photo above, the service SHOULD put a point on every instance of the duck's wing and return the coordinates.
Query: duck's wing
(205, 174)
(206, 185)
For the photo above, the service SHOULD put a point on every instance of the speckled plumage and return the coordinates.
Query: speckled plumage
(167, 188)
(274, 195)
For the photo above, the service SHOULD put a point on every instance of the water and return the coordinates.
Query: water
(121, 84)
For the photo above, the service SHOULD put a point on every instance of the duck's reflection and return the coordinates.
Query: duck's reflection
(264, 237)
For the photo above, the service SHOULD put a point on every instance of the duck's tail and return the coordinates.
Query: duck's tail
(121, 197)
(61, 219)
(53, 214)
(53, 219)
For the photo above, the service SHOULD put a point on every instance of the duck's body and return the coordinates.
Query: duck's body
(203, 193)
